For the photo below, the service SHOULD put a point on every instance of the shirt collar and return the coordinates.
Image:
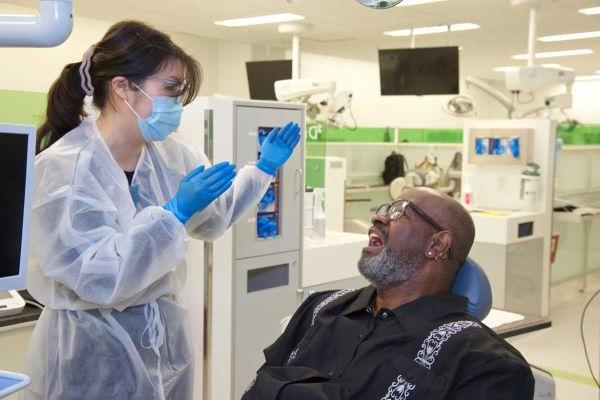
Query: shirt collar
(424, 309)
(430, 308)
(362, 301)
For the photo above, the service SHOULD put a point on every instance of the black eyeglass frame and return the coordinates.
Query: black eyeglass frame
(393, 214)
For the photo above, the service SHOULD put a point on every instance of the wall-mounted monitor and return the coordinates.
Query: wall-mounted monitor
(421, 71)
(262, 76)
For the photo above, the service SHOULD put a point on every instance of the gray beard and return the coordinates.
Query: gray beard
(389, 267)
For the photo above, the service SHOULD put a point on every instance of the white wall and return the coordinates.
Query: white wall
(36, 69)
(586, 102)
(231, 61)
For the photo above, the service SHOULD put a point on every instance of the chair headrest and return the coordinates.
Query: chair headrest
(472, 283)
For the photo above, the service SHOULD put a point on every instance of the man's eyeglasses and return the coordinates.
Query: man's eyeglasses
(398, 208)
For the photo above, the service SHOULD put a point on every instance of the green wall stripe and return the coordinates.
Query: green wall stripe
(571, 376)
(17, 107)
(321, 133)
(579, 134)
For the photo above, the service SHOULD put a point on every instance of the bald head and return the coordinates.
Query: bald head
(451, 215)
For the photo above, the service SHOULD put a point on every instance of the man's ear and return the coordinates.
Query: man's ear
(438, 246)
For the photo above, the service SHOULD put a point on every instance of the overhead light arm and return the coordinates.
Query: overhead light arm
(50, 27)
(492, 91)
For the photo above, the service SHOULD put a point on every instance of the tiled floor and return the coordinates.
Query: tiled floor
(559, 348)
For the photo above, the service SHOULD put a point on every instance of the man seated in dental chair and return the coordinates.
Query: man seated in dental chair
(404, 337)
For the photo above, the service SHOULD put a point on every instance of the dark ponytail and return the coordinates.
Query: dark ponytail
(65, 107)
(130, 49)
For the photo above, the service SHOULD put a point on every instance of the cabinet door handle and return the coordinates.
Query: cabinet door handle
(298, 180)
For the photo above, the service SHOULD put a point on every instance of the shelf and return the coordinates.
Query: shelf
(386, 144)
(581, 147)
(367, 189)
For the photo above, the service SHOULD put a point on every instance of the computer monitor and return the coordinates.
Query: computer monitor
(421, 71)
(17, 151)
(262, 76)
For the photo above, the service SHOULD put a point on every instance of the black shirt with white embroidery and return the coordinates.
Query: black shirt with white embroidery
(335, 348)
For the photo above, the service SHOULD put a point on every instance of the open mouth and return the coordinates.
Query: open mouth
(375, 238)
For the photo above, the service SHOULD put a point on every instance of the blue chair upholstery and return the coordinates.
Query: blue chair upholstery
(472, 283)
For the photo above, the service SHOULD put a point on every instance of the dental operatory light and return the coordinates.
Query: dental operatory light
(407, 3)
(590, 11)
(260, 20)
(552, 54)
(570, 36)
(460, 106)
(383, 4)
(380, 4)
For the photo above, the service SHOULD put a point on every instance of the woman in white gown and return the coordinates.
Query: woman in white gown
(115, 201)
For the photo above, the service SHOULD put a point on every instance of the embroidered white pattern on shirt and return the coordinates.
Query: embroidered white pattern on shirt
(292, 356)
(433, 344)
(328, 300)
(399, 389)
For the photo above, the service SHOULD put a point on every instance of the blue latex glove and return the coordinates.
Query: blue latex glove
(278, 147)
(199, 188)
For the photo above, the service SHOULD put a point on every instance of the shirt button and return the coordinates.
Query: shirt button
(360, 336)
(410, 375)
(331, 374)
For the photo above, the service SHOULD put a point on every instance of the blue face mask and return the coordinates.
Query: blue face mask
(164, 119)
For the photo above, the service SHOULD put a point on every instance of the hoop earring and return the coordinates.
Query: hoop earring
(444, 256)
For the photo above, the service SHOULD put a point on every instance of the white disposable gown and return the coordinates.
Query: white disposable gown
(108, 261)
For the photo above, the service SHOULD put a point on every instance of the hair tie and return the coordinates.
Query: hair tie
(84, 71)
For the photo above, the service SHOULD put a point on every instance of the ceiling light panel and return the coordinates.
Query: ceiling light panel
(552, 54)
(587, 78)
(260, 20)
(428, 30)
(506, 68)
(590, 11)
(570, 36)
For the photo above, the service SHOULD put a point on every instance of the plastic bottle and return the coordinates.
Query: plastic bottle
(319, 223)
(467, 192)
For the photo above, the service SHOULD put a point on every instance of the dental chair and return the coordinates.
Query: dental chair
(472, 283)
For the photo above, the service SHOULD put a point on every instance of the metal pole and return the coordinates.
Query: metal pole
(533, 24)
(296, 56)
(208, 265)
